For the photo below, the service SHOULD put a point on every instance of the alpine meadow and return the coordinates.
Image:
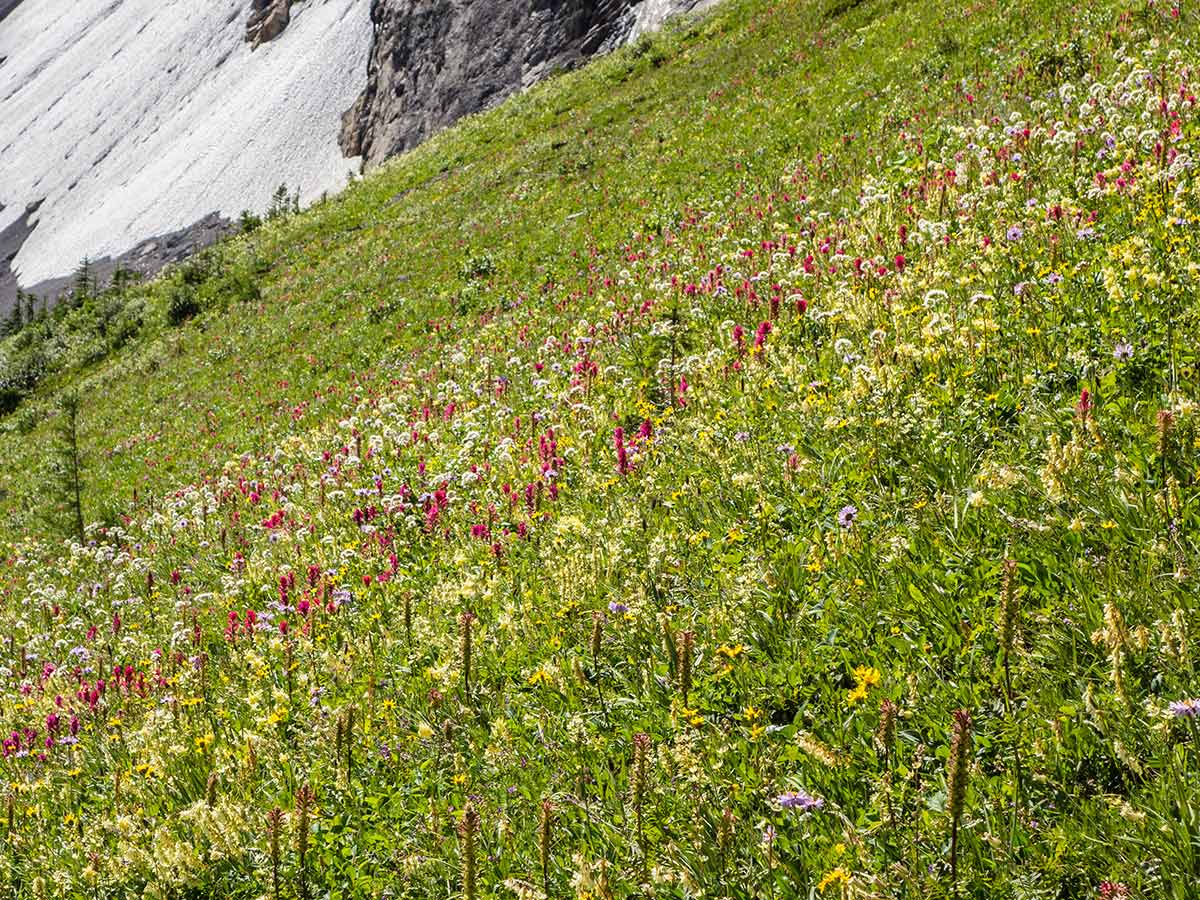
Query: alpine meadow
(762, 462)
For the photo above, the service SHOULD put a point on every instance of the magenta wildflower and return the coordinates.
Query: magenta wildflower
(622, 454)
(760, 336)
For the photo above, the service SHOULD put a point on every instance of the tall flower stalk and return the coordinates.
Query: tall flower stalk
(957, 774)
(468, 830)
(465, 651)
(304, 804)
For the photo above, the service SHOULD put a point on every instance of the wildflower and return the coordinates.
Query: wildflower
(819, 751)
(617, 608)
(274, 826)
(1084, 407)
(957, 771)
(464, 649)
(865, 677)
(637, 779)
(800, 800)
(1015, 233)
(686, 641)
(1123, 351)
(1113, 890)
(846, 515)
(305, 798)
(468, 827)
(760, 336)
(622, 454)
(1185, 709)
(837, 876)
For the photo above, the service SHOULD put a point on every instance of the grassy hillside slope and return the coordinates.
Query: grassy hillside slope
(761, 464)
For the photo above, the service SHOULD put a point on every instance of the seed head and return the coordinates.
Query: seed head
(958, 764)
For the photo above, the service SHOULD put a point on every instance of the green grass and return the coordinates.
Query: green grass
(701, 394)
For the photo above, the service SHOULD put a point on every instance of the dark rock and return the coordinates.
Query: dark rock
(268, 19)
(12, 239)
(146, 259)
(7, 6)
(435, 61)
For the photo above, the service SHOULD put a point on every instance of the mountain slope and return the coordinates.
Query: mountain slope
(157, 114)
(129, 121)
(762, 463)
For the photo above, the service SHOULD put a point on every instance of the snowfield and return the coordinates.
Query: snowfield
(133, 118)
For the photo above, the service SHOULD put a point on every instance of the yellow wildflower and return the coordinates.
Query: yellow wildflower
(836, 876)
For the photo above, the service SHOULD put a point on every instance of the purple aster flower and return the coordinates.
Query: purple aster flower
(800, 800)
(1015, 233)
(1185, 709)
(1054, 278)
(617, 608)
(1123, 351)
(742, 436)
(846, 515)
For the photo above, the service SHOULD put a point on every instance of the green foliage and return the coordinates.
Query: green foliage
(184, 304)
(63, 476)
(248, 222)
(477, 266)
(283, 204)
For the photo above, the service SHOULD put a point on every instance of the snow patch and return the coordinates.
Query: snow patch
(653, 14)
(134, 118)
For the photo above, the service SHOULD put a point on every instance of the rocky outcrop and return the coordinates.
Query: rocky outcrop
(268, 19)
(11, 240)
(434, 61)
(146, 259)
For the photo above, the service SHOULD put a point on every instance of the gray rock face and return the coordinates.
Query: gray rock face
(434, 61)
(268, 19)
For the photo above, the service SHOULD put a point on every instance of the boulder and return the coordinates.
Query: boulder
(268, 19)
